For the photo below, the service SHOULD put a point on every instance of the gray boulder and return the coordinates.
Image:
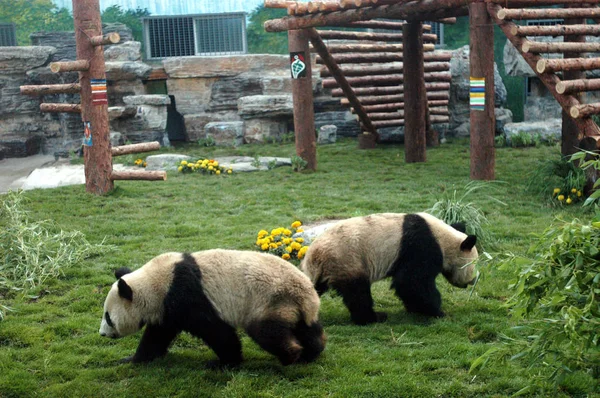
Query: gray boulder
(225, 133)
(123, 52)
(548, 129)
(18, 60)
(128, 70)
(327, 134)
(165, 161)
(265, 106)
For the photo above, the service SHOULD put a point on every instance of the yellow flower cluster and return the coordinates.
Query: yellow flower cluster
(568, 197)
(281, 243)
(205, 166)
(140, 162)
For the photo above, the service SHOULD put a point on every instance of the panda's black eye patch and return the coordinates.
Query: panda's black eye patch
(107, 317)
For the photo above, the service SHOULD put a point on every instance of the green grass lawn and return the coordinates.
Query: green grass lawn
(50, 346)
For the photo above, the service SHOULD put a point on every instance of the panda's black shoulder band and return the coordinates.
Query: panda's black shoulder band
(122, 271)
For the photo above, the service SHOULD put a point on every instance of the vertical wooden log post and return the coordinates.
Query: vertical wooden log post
(98, 158)
(483, 120)
(415, 100)
(304, 113)
(571, 135)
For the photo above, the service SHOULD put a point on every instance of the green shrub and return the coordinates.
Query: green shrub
(298, 164)
(452, 208)
(523, 139)
(589, 161)
(556, 177)
(557, 294)
(31, 252)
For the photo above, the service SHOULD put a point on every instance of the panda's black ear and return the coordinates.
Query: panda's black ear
(122, 271)
(460, 226)
(468, 243)
(124, 290)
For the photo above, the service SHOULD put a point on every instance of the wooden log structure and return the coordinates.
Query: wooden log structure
(371, 48)
(548, 13)
(555, 30)
(60, 108)
(97, 156)
(566, 47)
(533, 3)
(584, 110)
(302, 93)
(49, 89)
(377, 24)
(392, 107)
(387, 80)
(437, 56)
(586, 126)
(400, 114)
(424, 10)
(401, 122)
(367, 36)
(385, 69)
(483, 120)
(340, 80)
(570, 135)
(111, 38)
(544, 65)
(277, 3)
(80, 65)
(138, 175)
(387, 99)
(135, 148)
(590, 143)
(388, 90)
(577, 86)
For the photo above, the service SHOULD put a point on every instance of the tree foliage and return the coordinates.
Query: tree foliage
(260, 41)
(131, 18)
(30, 16)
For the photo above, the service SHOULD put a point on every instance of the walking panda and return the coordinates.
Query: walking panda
(211, 293)
(411, 248)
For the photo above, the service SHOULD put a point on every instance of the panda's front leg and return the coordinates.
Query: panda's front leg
(155, 343)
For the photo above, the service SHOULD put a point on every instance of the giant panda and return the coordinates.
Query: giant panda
(412, 249)
(211, 293)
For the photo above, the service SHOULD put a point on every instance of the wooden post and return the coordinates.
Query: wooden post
(483, 120)
(98, 159)
(571, 135)
(304, 113)
(415, 109)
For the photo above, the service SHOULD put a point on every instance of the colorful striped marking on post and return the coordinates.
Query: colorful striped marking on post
(477, 94)
(99, 94)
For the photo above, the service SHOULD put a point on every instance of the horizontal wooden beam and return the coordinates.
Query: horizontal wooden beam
(423, 10)
(399, 114)
(400, 122)
(584, 110)
(394, 106)
(548, 13)
(577, 86)
(277, 3)
(60, 108)
(376, 24)
(367, 36)
(558, 47)
(135, 148)
(436, 56)
(386, 80)
(386, 99)
(385, 69)
(555, 65)
(371, 48)
(532, 3)
(110, 38)
(555, 30)
(389, 90)
(138, 175)
(49, 89)
(70, 66)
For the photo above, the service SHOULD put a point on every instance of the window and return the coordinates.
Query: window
(208, 34)
(438, 29)
(8, 37)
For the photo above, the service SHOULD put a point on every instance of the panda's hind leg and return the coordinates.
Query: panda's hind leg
(276, 337)
(312, 338)
(356, 294)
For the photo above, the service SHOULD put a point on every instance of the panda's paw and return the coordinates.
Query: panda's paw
(380, 317)
(128, 359)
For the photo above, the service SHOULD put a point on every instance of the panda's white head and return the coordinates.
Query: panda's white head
(460, 254)
(122, 316)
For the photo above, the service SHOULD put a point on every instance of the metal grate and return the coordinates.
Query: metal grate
(8, 37)
(544, 22)
(208, 34)
(438, 29)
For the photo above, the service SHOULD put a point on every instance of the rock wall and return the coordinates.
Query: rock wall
(25, 131)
